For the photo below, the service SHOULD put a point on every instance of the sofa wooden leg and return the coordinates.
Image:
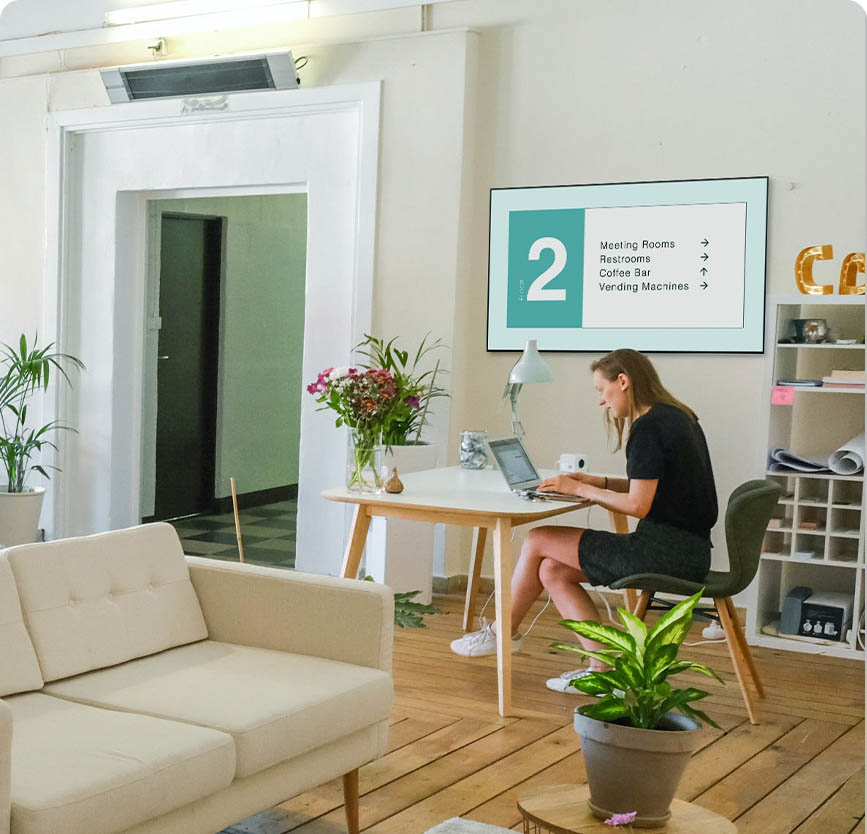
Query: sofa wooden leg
(350, 800)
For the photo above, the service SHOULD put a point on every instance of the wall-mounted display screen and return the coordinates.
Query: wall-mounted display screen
(655, 266)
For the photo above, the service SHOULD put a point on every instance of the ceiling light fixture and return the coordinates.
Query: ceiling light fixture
(296, 10)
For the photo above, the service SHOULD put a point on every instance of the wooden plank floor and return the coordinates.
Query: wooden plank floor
(801, 771)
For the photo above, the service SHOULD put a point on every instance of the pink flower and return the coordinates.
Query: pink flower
(413, 402)
(621, 819)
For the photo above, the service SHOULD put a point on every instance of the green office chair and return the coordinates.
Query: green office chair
(749, 509)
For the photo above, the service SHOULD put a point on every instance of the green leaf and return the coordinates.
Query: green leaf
(606, 709)
(674, 625)
(607, 635)
(636, 628)
(657, 661)
(605, 657)
(698, 715)
(589, 685)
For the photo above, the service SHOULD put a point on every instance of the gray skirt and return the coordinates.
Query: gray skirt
(653, 548)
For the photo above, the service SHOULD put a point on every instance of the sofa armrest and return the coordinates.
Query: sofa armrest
(5, 767)
(272, 608)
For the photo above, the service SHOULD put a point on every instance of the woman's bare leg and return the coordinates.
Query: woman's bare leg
(549, 559)
(557, 543)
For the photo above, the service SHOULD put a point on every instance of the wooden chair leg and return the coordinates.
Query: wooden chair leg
(640, 609)
(478, 552)
(745, 648)
(737, 656)
(350, 800)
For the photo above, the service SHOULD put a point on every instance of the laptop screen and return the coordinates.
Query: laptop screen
(514, 462)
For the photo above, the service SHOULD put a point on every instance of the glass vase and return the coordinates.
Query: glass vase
(474, 451)
(364, 463)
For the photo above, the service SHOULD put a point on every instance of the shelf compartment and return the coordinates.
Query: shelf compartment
(809, 547)
(843, 549)
(777, 544)
(847, 493)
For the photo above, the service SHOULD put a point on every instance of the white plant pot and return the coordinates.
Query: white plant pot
(19, 515)
(400, 553)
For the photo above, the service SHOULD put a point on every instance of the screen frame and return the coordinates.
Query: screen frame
(754, 330)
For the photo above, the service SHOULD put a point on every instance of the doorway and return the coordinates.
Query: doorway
(227, 296)
(116, 160)
(190, 275)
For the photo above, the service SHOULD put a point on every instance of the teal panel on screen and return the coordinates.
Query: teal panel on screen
(546, 253)
(657, 266)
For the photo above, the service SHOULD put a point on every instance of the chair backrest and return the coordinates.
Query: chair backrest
(749, 509)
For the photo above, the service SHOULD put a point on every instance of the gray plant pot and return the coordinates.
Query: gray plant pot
(629, 769)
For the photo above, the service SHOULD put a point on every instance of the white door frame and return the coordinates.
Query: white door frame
(306, 112)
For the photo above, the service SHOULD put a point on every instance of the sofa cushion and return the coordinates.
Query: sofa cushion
(81, 770)
(99, 600)
(19, 669)
(276, 705)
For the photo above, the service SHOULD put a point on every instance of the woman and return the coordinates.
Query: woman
(669, 487)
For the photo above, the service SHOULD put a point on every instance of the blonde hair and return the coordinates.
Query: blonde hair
(645, 387)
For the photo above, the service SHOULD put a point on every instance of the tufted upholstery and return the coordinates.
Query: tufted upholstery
(275, 705)
(100, 600)
(19, 669)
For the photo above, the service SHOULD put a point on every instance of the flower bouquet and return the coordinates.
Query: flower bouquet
(361, 399)
(382, 403)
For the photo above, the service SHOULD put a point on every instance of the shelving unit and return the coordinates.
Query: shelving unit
(816, 537)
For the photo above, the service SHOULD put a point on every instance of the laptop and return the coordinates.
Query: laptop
(519, 472)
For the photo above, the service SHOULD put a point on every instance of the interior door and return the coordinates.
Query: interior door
(189, 307)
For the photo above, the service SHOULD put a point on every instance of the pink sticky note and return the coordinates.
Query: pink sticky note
(782, 395)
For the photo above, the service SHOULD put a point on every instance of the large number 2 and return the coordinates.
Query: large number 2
(537, 291)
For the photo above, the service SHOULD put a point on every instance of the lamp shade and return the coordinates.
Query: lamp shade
(531, 367)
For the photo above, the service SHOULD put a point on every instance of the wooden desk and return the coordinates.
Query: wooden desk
(469, 498)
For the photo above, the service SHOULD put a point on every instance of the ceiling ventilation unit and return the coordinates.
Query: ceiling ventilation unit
(246, 73)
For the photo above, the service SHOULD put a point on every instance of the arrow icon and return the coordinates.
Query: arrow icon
(704, 256)
(705, 242)
(703, 285)
(703, 271)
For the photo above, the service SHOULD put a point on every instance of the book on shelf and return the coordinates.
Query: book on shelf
(842, 373)
(843, 382)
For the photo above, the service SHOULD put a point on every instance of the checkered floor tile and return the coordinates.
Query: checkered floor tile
(267, 532)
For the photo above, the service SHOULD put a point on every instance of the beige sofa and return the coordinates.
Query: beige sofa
(144, 691)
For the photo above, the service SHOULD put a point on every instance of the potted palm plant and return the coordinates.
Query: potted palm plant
(638, 736)
(28, 369)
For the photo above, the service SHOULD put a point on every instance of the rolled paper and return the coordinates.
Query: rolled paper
(849, 458)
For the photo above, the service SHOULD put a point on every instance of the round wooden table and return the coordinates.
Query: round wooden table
(562, 809)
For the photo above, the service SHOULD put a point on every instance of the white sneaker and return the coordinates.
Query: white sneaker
(481, 642)
(561, 683)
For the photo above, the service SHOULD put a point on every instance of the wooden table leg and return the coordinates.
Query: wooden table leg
(478, 552)
(355, 545)
(619, 524)
(503, 599)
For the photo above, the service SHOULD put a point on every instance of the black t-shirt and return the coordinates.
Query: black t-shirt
(667, 445)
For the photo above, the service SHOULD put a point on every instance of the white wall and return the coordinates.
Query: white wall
(621, 90)
(552, 92)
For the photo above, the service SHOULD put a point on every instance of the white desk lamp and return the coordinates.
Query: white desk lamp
(531, 367)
